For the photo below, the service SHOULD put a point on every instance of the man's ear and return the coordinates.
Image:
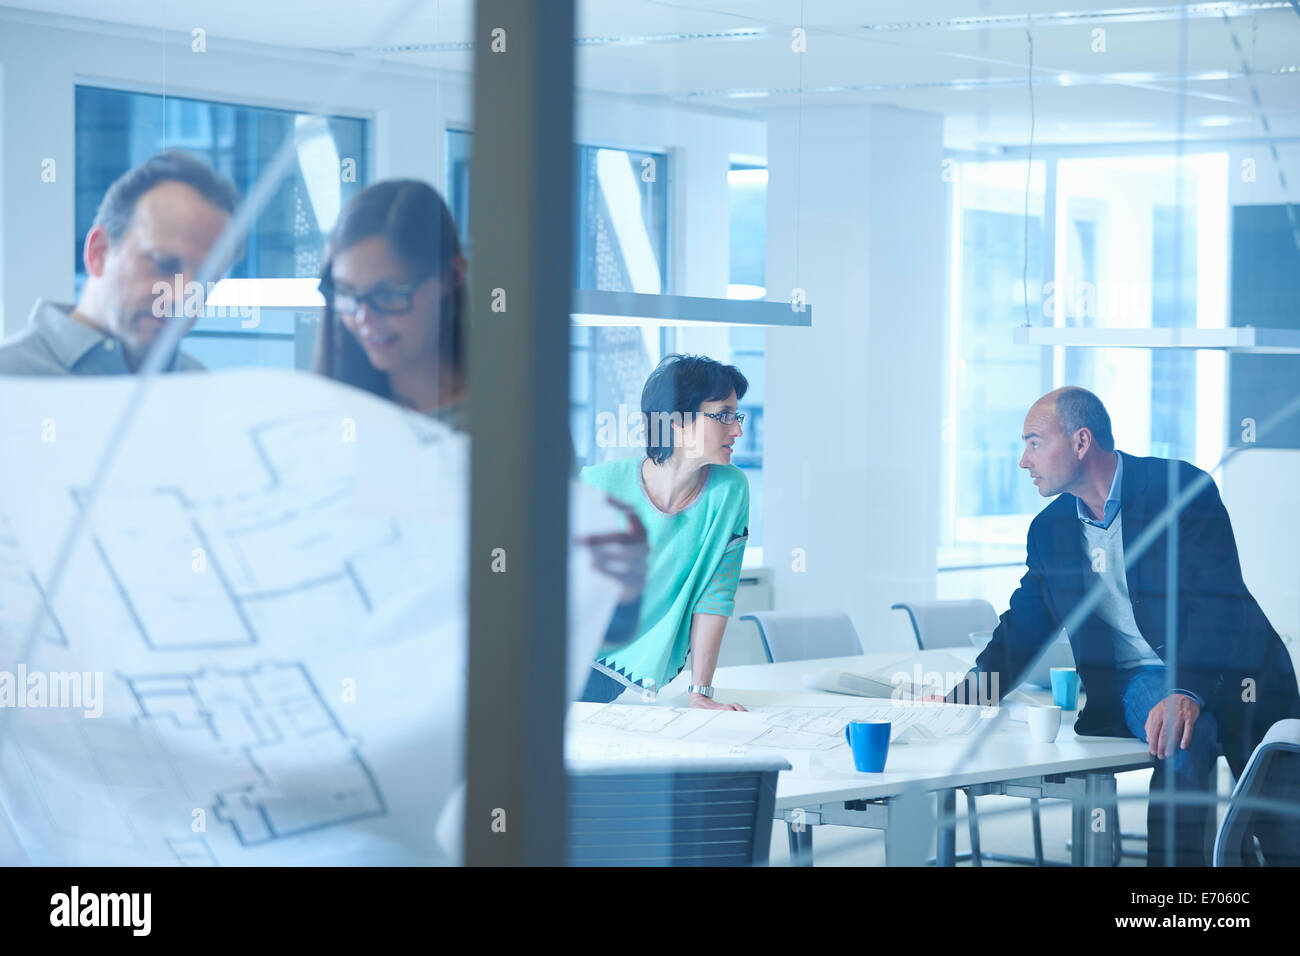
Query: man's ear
(95, 252)
(1082, 442)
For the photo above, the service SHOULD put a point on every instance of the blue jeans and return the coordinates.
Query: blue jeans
(1193, 773)
(601, 688)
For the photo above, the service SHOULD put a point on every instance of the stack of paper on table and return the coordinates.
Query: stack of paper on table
(906, 680)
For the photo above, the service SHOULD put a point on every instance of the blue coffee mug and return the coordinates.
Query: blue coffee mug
(1065, 688)
(869, 741)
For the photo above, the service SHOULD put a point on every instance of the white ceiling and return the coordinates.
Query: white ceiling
(923, 54)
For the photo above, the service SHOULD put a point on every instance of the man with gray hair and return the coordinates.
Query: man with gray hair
(1232, 677)
(156, 223)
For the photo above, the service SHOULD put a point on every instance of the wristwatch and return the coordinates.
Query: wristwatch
(704, 689)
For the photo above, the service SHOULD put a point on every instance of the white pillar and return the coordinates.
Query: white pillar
(852, 448)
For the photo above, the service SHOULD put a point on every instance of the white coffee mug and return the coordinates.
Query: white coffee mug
(1044, 723)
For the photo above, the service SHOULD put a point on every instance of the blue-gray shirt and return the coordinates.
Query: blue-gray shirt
(57, 344)
(1130, 649)
(1111, 508)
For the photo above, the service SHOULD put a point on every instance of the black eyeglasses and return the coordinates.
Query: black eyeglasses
(386, 300)
(726, 418)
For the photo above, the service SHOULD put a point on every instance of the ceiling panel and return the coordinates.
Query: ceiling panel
(926, 55)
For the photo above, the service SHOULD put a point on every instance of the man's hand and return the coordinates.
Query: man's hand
(708, 703)
(1161, 734)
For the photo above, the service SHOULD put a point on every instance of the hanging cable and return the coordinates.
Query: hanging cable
(1029, 176)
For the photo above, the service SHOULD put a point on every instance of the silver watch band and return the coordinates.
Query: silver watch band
(704, 689)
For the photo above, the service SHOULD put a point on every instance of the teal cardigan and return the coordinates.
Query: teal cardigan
(693, 568)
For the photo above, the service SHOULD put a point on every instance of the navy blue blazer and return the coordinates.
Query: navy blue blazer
(1223, 636)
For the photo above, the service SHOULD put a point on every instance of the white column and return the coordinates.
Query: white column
(852, 449)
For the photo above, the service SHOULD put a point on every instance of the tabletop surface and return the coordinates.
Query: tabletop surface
(1006, 752)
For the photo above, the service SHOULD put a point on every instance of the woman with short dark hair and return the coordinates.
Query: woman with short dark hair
(694, 505)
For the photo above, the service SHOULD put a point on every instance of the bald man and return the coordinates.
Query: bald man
(1232, 677)
(156, 223)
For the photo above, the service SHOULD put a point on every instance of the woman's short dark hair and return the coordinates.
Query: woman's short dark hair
(677, 388)
(418, 227)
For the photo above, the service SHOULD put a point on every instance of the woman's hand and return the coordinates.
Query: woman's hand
(621, 555)
(708, 703)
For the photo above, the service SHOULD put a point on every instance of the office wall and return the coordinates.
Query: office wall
(1261, 490)
(855, 218)
(1259, 485)
(410, 109)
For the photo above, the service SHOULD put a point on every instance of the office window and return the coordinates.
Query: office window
(1119, 221)
(747, 195)
(748, 354)
(117, 129)
(984, 504)
(747, 189)
(620, 217)
(621, 245)
(622, 221)
(1114, 262)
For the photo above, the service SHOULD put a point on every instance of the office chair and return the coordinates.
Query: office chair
(1234, 845)
(796, 636)
(676, 812)
(949, 624)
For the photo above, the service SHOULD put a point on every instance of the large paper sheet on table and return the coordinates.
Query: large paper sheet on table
(778, 728)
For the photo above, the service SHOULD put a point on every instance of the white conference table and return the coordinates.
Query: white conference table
(823, 788)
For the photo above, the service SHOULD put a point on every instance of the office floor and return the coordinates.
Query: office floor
(1004, 828)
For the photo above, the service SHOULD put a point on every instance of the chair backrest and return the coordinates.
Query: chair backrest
(796, 636)
(948, 623)
(685, 812)
(1281, 744)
